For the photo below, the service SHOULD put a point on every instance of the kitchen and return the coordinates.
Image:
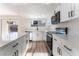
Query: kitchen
(39, 29)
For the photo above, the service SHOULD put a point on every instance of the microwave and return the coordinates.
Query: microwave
(55, 19)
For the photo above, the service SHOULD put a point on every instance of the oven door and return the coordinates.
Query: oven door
(49, 43)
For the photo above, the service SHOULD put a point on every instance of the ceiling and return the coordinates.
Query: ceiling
(33, 10)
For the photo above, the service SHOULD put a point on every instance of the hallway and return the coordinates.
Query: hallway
(37, 49)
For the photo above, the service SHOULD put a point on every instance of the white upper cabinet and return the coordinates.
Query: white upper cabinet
(65, 11)
(76, 5)
(69, 11)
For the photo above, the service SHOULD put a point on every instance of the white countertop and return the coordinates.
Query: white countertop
(9, 38)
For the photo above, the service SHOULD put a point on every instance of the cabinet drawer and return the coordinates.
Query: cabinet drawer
(64, 53)
(67, 47)
(57, 40)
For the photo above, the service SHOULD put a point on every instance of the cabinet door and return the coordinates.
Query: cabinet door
(23, 45)
(65, 11)
(55, 53)
(15, 51)
(56, 48)
(18, 47)
(76, 10)
(64, 53)
(66, 48)
(6, 50)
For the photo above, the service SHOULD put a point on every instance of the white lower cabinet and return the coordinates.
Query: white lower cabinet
(15, 45)
(15, 48)
(59, 49)
(56, 48)
(6, 51)
(55, 53)
(23, 45)
(64, 53)
(9, 49)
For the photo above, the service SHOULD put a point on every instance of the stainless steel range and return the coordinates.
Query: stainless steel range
(49, 43)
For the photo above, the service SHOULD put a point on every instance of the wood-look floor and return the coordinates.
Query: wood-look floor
(37, 47)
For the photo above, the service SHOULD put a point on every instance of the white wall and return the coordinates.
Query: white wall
(6, 11)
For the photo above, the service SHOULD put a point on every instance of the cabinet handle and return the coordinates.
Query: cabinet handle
(72, 13)
(15, 45)
(16, 53)
(69, 14)
(59, 51)
(67, 48)
(55, 39)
